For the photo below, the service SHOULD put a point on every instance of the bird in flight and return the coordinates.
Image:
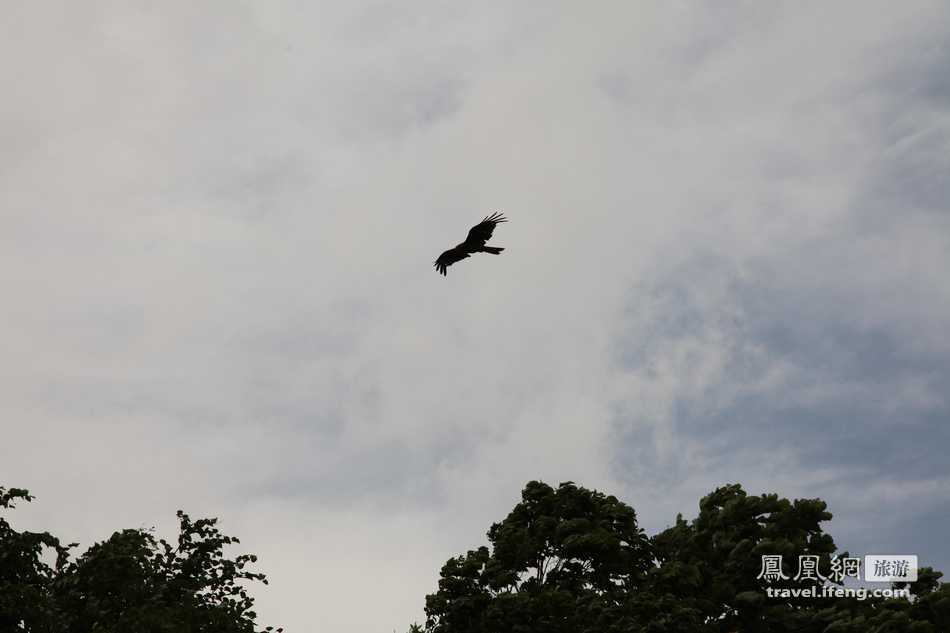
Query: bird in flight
(474, 243)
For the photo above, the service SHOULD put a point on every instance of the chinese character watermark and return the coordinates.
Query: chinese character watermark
(808, 568)
(890, 568)
(877, 568)
(771, 568)
(848, 567)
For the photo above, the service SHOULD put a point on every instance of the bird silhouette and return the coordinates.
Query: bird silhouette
(474, 243)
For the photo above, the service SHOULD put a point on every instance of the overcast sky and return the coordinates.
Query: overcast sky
(726, 261)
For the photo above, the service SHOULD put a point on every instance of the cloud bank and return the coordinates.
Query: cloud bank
(726, 261)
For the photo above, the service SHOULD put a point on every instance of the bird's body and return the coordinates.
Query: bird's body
(474, 243)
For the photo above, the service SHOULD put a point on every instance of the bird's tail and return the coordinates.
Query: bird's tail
(494, 250)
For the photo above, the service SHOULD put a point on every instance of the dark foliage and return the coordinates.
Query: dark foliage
(129, 582)
(574, 560)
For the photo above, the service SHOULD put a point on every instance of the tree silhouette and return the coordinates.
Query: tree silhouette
(572, 559)
(129, 582)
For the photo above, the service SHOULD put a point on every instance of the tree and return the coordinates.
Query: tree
(571, 559)
(714, 562)
(25, 580)
(560, 556)
(129, 582)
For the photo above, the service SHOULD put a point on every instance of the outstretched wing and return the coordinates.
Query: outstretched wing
(449, 257)
(481, 232)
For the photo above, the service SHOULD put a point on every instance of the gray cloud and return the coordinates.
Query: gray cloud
(725, 262)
